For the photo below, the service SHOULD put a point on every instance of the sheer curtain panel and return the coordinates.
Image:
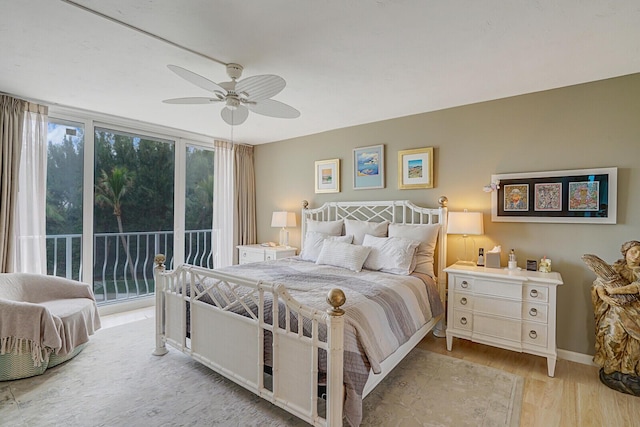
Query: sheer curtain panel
(223, 223)
(31, 233)
(11, 115)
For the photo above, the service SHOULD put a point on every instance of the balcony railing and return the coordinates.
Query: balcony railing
(123, 262)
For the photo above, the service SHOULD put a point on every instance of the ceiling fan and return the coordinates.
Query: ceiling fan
(249, 94)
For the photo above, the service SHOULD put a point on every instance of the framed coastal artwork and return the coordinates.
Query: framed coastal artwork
(415, 168)
(368, 167)
(327, 176)
(578, 196)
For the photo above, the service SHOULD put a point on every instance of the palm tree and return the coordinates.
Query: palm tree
(110, 190)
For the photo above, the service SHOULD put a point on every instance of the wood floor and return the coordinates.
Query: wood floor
(574, 397)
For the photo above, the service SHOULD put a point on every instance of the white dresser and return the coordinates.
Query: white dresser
(515, 310)
(257, 253)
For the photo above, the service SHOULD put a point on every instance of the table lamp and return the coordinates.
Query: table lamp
(283, 219)
(465, 223)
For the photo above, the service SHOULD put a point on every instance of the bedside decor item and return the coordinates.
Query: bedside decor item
(368, 167)
(415, 168)
(327, 176)
(283, 219)
(545, 265)
(532, 265)
(480, 262)
(615, 295)
(465, 223)
(492, 258)
(513, 263)
(578, 196)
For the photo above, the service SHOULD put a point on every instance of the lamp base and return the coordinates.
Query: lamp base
(284, 237)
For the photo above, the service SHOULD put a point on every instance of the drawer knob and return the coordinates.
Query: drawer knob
(463, 301)
(463, 320)
(268, 257)
(533, 293)
(533, 334)
(244, 254)
(464, 284)
(533, 312)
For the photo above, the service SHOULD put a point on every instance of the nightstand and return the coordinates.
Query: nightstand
(511, 309)
(257, 253)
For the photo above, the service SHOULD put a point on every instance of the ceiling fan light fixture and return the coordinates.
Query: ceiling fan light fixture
(232, 103)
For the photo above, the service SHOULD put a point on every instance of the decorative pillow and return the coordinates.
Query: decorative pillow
(332, 228)
(427, 235)
(390, 254)
(313, 244)
(340, 254)
(359, 228)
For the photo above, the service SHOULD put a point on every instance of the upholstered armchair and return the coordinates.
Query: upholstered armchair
(44, 321)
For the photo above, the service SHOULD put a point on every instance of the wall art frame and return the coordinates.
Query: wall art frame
(566, 196)
(327, 176)
(415, 168)
(368, 167)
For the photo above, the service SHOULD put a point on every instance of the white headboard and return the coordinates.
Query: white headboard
(395, 211)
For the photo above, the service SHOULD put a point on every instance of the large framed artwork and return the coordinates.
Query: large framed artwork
(580, 196)
(327, 176)
(415, 168)
(368, 167)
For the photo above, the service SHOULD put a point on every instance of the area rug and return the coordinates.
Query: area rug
(116, 381)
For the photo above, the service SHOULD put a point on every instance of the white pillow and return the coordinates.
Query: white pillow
(340, 254)
(332, 228)
(359, 228)
(427, 235)
(313, 244)
(390, 254)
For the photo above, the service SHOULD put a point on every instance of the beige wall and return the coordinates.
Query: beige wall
(591, 125)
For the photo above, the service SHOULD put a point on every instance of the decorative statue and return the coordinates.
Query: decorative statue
(616, 302)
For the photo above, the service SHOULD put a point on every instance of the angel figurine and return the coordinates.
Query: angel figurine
(615, 295)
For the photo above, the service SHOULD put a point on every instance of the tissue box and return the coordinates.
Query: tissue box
(492, 260)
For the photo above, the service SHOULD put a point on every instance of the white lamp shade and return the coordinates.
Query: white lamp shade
(465, 223)
(283, 219)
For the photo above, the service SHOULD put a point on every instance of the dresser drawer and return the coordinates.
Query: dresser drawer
(535, 312)
(462, 320)
(497, 288)
(250, 256)
(463, 283)
(534, 333)
(463, 301)
(535, 293)
(498, 307)
(508, 329)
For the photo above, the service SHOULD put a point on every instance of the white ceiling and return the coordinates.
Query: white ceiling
(345, 62)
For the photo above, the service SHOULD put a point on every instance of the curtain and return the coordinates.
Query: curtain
(222, 228)
(31, 232)
(11, 115)
(245, 197)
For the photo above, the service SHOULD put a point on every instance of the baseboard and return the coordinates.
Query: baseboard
(122, 307)
(572, 356)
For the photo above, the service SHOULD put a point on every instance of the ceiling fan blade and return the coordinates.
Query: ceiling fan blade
(191, 100)
(197, 79)
(273, 108)
(235, 117)
(261, 87)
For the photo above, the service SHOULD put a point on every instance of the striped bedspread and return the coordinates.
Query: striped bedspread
(382, 312)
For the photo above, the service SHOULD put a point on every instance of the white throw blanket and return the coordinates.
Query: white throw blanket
(46, 314)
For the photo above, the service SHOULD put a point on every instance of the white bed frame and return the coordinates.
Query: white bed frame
(233, 345)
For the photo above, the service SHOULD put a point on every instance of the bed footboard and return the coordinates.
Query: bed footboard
(255, 334)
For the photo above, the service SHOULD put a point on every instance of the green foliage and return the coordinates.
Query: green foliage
(134, 177)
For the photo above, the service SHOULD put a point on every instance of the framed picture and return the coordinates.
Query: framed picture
(578, 196)
(327, 176)
(415, 168)
(368, 167)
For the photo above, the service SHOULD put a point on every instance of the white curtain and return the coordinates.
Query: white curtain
(31, 254)
(223, 204)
